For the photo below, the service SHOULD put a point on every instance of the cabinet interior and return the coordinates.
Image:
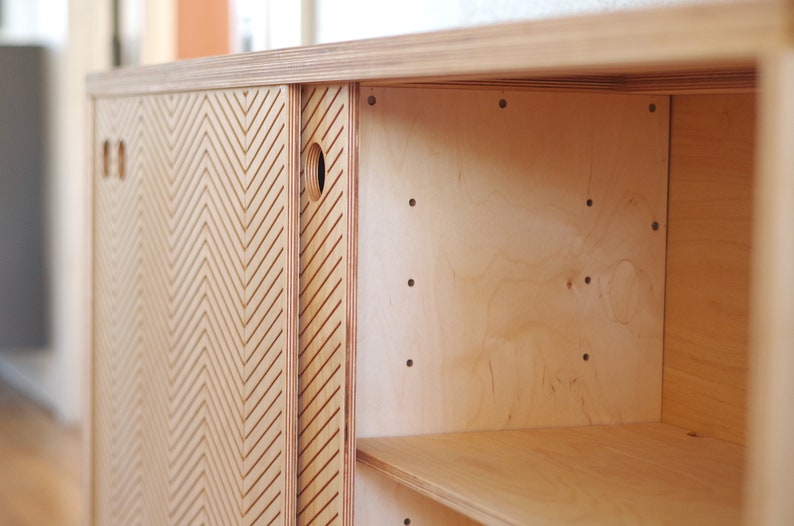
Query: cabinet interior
(552, 304)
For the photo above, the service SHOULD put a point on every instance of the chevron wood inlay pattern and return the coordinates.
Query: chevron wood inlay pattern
(326, 310)
(211, 314)
(119, 411)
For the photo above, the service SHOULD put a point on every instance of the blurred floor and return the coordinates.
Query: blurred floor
(40, 471)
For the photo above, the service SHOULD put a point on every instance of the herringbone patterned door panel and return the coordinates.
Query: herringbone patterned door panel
(216, 328)
(326, 303)
(118, 419)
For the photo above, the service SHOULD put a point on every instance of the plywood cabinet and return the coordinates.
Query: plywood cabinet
(498, 284)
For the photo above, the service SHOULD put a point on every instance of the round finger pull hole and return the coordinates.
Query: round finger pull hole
(409, 362)
(106, 159)
(315, 172)
(412, 202)
(411, 282)
(122, 160)
(585, 357)
(587, 280)
(589, 202)
(407, 521)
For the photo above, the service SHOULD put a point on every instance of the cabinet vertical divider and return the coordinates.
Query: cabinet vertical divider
(293, 247)
(326, 305)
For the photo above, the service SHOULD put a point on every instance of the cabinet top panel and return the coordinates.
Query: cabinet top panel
(691, 38)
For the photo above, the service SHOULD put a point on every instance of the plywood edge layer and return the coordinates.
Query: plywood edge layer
(725, 80)
(632, 473)
(456, 502)
(644, 40)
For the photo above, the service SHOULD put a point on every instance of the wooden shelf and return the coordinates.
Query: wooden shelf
(622, 474)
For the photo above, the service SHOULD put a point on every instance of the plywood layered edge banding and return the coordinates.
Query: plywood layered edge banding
(726, 80)
(648, 40)
(88, 493)
(292, 345)
(352, 303)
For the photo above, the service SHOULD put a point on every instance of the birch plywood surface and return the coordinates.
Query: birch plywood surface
(118, 365)
(708, 264)
(382, 500)
(211, 424)
(326, 307)
(606, 475)
(524, 284)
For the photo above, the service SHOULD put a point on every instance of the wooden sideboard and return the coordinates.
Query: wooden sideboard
(536, 273)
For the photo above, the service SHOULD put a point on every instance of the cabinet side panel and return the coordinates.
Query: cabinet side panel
(771, 463)
(230, 344)
(708, 264)
(511, 265)
(118, 376)
(325, 457)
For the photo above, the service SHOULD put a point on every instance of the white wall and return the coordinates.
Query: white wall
(338, 20)
(265, 24)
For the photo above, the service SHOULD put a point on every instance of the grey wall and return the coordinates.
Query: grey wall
(23, 290)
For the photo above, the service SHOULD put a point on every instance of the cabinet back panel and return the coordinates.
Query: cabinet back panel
(708, 264)
(509, 273)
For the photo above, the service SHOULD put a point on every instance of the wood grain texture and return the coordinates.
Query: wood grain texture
(771, 473)
(709, 248)
(193, 373)
(629, 474)
(382, 500)
(40, 480)
(118, 437)
(327, 309)
(515, 277)
(718, 80)
(724, 34)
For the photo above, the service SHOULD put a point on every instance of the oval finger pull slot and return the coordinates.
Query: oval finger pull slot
(315, 172)
(106, 159)
(122, 160)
